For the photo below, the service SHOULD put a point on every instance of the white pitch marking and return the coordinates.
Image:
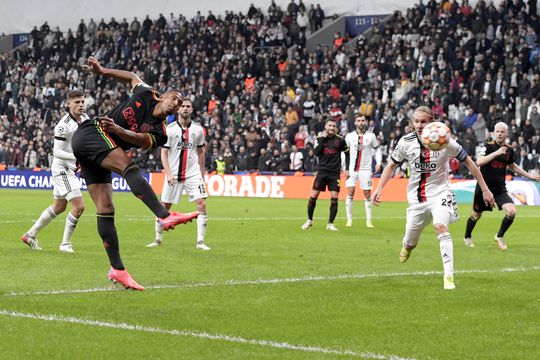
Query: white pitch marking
(202, 335)
(276, 281)
(120, 219)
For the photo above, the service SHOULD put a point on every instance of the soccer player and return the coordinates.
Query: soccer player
(99, 146)
(363, 146)
(328, 149)
(428, 192)
(67, 187)
(495, 157)
(183, 160)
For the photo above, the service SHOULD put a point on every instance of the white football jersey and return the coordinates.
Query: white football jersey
(63, 158)
(362, 149)
(429, 169)
(182, 145)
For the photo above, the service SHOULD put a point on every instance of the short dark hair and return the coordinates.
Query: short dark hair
(330, 119)
(74, 94)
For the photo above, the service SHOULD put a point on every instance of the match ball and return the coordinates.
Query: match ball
(435, 135)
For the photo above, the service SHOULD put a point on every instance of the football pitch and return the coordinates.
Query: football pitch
(266, 290)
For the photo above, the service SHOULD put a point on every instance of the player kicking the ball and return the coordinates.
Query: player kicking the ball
(428, 192)
(100, 146)
(183, 161)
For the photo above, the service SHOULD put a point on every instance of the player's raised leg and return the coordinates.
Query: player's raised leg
(118, 162)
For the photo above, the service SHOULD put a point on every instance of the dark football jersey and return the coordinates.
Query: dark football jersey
(494, 172)
(328, 150)
(135, 114)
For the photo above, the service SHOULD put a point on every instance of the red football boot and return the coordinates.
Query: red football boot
(123, 277)
(176, 218)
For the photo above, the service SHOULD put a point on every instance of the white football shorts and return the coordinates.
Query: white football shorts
(362, 176)
(441, 210)
(66, 185)
(194, 187)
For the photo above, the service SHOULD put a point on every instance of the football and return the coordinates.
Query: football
(435, 135)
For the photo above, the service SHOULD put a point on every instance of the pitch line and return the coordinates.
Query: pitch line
(90, 218)
(313, 278)
(201, 335)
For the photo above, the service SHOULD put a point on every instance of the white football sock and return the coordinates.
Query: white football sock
(44, 219)
(71, 223)
(202, 219)
(348, 207)
(447, 252)
(159, 231)
(367, 205)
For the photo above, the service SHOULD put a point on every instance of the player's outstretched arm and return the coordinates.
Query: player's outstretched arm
(126, 76)
(385, 177)
(475, 171)
(518, 170)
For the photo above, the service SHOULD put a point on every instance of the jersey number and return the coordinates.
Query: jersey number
(202, 190)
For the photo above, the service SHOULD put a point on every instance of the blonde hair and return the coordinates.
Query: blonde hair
(425, 110)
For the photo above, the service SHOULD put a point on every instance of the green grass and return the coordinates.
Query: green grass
(492, 314)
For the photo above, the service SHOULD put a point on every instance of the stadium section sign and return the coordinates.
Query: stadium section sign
(356, 25)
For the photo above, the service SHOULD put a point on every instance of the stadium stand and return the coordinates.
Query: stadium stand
(258, 91)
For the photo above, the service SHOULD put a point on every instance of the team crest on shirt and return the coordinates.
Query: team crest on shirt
(425, 161)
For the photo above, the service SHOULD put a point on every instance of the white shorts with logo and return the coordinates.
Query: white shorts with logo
(362, 176)
(194, 187)
(440, 210)
(66, 185)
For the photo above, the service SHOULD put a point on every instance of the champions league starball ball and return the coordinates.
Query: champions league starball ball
(435, 136)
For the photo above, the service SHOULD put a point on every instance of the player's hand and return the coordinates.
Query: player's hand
(324, 134)
(170, 180)
(535, 177)
(502, 150)
(108, 124)
(376, 196)
(347, 174)
(377, 168)
(489, 199)
(94, 65)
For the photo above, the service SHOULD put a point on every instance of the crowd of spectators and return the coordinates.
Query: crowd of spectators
(263, 98)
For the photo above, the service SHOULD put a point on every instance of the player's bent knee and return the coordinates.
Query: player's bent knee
(511, 211)
(131, 167)
(201, 206)
(440, 228)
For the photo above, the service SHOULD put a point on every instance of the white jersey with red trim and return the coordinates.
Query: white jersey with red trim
(63, 158)
(182, 144)
(362, 148)
(429, 169)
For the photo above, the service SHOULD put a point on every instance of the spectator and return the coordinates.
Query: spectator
(296, 159)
